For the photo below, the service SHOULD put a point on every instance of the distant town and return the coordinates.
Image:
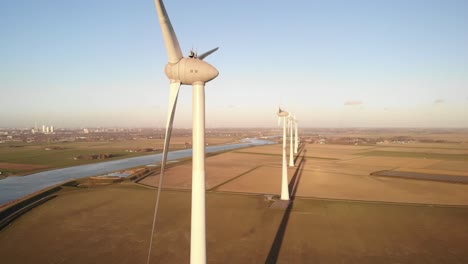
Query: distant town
(343, 136)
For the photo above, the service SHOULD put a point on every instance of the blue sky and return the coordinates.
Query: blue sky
(334, 63)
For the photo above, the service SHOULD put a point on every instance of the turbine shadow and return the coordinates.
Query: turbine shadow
(297, 177)
(301, 148)
(278, 241)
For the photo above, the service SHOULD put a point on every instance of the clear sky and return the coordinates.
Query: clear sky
(349, 63)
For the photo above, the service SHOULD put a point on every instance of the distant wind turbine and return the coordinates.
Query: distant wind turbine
(187, 71)
(291, 136)
(284, 177)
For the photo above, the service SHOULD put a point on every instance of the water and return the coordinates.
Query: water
(13, 188)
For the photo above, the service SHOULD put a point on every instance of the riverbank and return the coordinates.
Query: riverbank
(12, 188)
(21, 159)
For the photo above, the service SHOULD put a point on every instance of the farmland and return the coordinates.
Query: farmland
(26, 158)
(340, 211)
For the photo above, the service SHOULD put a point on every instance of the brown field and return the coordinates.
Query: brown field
(339, 152)
(261, 180)
(454, 138)
(219, 169)
(112, 224)
(450, 171)
(391, 162)
(457, 166)
(258, 170)
(384, 189)
(351, 148)
(339, 214)
(425, 149)
(343, 168)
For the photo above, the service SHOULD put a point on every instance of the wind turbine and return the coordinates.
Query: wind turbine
(284, 178)
(191, 70)
(291, 151)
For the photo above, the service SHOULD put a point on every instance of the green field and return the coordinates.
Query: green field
(402, 154)
(36, 154)
(30, 154)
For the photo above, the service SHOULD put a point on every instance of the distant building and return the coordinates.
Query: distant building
(47, 129)
(43, 129)
(51, 129)
(86, 131)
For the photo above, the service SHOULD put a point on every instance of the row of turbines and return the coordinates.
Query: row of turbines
(193, 70)
(289, 123)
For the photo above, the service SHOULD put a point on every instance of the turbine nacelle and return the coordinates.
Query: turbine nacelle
(282, 113)
(190, 71)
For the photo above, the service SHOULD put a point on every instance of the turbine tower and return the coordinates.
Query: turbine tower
(191, 70)
(291, 135)
(284, 177)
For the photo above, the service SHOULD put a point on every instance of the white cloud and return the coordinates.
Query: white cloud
(353, 102)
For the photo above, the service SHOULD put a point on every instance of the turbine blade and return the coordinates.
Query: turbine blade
(172, 44)
(170, 119)
(204, 55)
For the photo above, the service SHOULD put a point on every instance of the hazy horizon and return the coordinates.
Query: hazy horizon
(279, 128)
(335, 64)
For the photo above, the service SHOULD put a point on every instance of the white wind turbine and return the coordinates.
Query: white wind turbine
(189, 71)
(291, 150)
(284, 177)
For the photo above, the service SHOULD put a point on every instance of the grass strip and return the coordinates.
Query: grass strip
(402, 154)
